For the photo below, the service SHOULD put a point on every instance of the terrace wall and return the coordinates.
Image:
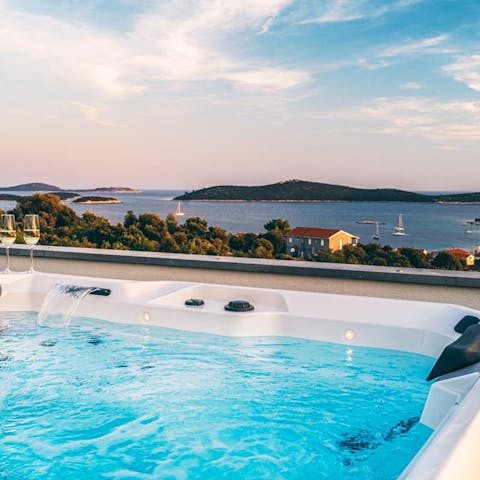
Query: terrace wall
(462, 288)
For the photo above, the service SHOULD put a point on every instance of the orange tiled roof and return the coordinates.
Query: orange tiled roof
(459, 252)
(312, 232)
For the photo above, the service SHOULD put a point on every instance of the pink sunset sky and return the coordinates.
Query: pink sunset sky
(184, 94)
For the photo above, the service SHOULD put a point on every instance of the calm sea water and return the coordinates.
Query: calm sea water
(431, 226)
(105, 401)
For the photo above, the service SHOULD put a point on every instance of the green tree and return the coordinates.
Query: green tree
(263, 249)
(196, 227)
(417, 257)
(130, 219)
(277, 223)
(446, 261)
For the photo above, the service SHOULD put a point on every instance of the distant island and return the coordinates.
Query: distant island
(112, 190)
(32, 187)
(9, 197)
(304, 191)
(459, 198)
(96, 200)
(45, 187)
(74, 196)
(66, 197)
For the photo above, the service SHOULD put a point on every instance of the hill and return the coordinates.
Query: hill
(45, 187)
(303, 191)
(32, 187)
(95, 200)
(459, 198)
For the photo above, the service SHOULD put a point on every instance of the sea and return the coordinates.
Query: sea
(427, 225)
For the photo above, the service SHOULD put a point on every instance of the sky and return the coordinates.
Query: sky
(193, 93)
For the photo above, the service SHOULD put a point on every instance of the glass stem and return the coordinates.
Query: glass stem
(31, 258)
(8, 259)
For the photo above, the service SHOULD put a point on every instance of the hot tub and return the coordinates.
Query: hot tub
(261, 393)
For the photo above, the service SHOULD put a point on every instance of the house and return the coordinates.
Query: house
(306, 241)
(466, 257)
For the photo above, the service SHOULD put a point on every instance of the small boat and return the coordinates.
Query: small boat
(377, 233)
(399, 229)
(468, 232)
(179, 212)
(476, 221)
(369, 222)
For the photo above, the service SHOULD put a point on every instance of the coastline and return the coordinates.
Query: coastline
(318, 201)
(459, 203)
(260, 201)
(124, 191)
(99, 202)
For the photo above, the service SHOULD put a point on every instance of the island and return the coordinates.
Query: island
(459, 198)
(45, 187)
(96, 200)
(8, 197)
(112, 190)
(304, 191)
(31, 187)
(66, 196)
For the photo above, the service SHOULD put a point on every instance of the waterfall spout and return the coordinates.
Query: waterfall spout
(61, 303)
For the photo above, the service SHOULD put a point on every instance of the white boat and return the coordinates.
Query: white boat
(399, 229)
(377, 233)
(179, 212)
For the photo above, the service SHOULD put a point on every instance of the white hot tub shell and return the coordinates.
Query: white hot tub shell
(453, 405)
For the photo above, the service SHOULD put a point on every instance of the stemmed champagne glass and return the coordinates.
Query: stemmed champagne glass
(31, 234)
(7, 235)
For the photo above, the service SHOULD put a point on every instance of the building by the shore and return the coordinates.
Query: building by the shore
(463, 255)
(305, 242)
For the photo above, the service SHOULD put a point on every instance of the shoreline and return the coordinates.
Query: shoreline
(111, 191)
(320, 201)
(99, 202)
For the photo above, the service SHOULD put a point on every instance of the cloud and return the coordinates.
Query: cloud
(92, 112)
(387, 56)
(447, 124)
(334, 11)
(274, 79)
(441, 122)
(412, 86)
(339, 11)
(175, 42)
(426, 45)
(466, 69)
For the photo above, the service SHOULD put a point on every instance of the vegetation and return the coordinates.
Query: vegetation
(300, 190)
(61, 226)
(385, 255)
(95, 199)
(9, 197)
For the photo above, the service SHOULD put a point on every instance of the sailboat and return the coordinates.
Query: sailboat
(399, 229)
(179, 212)
(377, 233)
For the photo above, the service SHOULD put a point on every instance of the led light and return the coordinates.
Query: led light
(348, 334)
(349, 355)
(146, 316)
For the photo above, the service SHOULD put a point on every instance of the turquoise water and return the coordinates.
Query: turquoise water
(105, 401)
(430, 226)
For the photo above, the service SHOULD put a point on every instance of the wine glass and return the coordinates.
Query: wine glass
(31, 234)
(7, 235)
